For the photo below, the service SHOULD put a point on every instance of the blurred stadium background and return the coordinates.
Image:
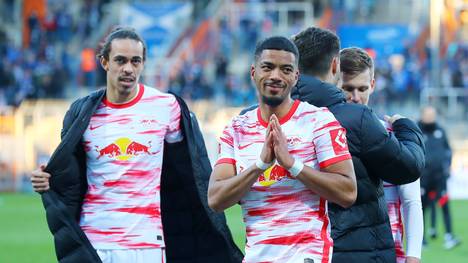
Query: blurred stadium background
(202, 50)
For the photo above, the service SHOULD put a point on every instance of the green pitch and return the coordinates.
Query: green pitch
(24, 236)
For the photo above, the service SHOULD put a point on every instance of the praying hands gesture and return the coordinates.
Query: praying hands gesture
(280, 143)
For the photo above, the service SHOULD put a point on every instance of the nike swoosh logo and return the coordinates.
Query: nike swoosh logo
(91, 127)
(241, 147)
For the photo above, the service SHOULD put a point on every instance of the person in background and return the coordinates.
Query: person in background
(403, 201)
(436, 173)
(361, 233)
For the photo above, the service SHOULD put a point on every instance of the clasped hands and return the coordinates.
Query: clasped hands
(276, 145)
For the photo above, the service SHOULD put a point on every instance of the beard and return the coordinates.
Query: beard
(272, 101)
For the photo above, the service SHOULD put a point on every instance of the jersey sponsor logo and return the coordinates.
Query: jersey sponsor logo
(293, 140)
(272, 175)
(339, 142)
(124, 149)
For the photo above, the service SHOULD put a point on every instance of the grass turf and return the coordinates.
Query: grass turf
(24, 236)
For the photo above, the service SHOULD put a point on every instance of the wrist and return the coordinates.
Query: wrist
(262, 165)
(296, 168)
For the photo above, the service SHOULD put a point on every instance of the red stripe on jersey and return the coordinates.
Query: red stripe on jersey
(132, 102)
(228, 141)
(261, 211)
(142, 172)
(118, 183)
(304, 237)
(282, 120)
(101, 115)
(153, 98)
(90, 230)
(287, 198)
(329, 125)
(305, 113)
(244, 132)
(324, 235)
(142, 245)
(334, 160)
(157, 132)
(95, 199)
(151, 210)
(226, 160)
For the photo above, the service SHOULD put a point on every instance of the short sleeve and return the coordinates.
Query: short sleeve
(174, 133)
(226, 147)
(330, 141)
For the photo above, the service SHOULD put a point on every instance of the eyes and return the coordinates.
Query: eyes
(359, 89)
(136, 61)
(285, 69)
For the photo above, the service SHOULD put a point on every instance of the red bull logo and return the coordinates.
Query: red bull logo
(273, 174)
(123, 149)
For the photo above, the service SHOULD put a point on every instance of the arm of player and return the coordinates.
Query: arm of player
(410, 197)
(336, 182)
(40, 180)
(226, 188)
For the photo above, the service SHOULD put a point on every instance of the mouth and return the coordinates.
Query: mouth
(274, 88)
(127, 80)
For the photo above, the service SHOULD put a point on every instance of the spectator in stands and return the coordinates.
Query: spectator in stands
(436, 173)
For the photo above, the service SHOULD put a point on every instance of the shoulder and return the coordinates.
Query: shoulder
(319, 115)
(92, 97)
(155, 94)
(246, 120)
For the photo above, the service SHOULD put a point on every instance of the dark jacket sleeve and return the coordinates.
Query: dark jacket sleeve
(397, 157)
(447, 154)
(70, 116)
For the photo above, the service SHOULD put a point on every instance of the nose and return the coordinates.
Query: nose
(355, 96)
(275, 74)
(127, 68)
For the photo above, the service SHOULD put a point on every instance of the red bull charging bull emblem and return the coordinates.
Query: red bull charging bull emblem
(123, 149)
(273, 174)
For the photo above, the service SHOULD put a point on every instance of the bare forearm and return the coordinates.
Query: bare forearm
(335, 187)
(224, 193)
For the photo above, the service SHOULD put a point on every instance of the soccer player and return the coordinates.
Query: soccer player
(436, 173)
(357, 81)
(361, 233)
(283, 161)
(111, 198)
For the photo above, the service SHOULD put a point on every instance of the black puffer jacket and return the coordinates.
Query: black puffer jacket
(192, 231)
(362, 232)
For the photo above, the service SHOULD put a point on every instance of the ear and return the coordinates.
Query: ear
(296, 77)
(252, 72)
(335, 66)
(104, 63)
(372, 86)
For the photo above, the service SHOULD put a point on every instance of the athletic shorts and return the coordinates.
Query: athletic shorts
(145, 255)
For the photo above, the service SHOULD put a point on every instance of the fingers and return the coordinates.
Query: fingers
(392, 119)
(267, 133)
(40, 180)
